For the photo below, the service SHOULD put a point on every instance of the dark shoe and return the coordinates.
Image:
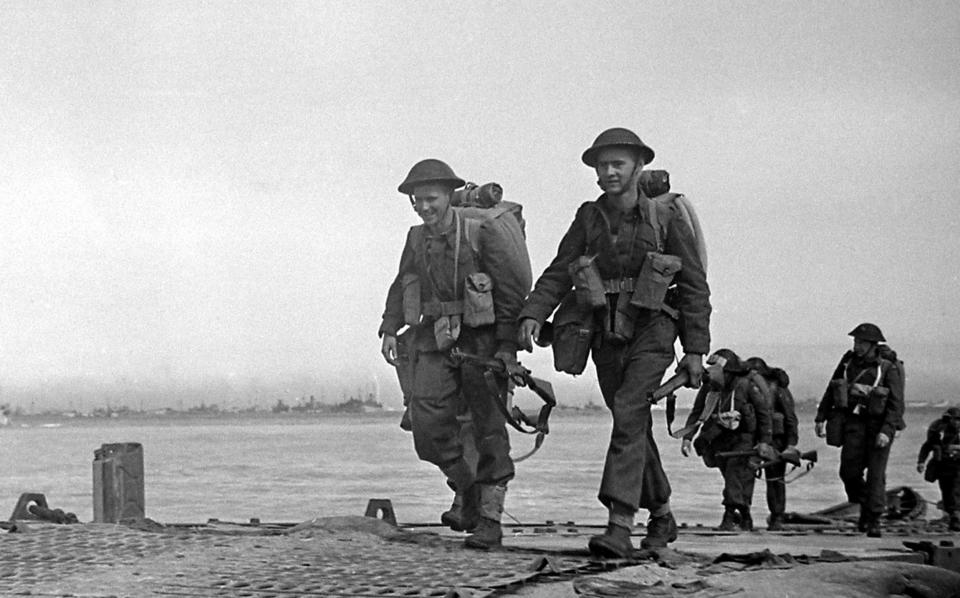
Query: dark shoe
(746, 521)
(955, 523)
(454, 517)
(873, 527)
(775, 522)
(660, 531)
(730, 521)
(487, 535)
(863, 520)
(612, 544)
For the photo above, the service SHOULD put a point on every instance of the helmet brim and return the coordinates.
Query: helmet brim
(453, 183)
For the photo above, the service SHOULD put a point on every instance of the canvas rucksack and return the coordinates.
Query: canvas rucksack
(655, 184)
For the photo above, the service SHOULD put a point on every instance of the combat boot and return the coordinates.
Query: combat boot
(661, 530)
(730, 520)
(455, 519)
(488, 533)
(775, 522)
(746, 521)
(863, 520)
(873, 526)
(612, 544)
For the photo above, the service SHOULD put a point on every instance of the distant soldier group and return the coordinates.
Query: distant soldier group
(628, 281)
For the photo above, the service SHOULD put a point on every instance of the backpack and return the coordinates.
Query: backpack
(655, 184)
(499, 223)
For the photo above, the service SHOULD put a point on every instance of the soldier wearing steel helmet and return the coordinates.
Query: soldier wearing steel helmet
(943, 445)
(428, 295)
(633, 344)
(863, 404)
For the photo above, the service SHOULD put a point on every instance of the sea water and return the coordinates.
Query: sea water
(292, 468)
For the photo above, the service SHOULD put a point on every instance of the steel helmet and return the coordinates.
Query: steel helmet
(616, 137)
(429, 171)
(729, 361)
(868, 332)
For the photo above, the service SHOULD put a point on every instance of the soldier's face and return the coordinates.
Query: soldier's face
(615, 169)
(431, 202)
(862, 347)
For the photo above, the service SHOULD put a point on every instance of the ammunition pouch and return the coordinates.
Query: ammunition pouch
(702, 444)
(478, 300)
(411, 299)
(573, 331)
(877, 401)
(779, 429)
(932, 472)
(446, 331)
(655, 277)
(834, 427)
(840, 393)
(587, 283)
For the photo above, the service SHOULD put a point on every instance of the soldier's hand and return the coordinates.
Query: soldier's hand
(693, 364)
(529, 331)
(685, 447)
(921, 467)
(389, 349)
(821, 429)
(882, 440)
(766, 452)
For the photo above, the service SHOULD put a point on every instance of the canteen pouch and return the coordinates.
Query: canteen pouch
(478, 300)
(587, 282)
(411, 299)
(446, 331)
(835, 423)
(655, 276)
(777, 424)
(573, 330)
(841, 391)
(877, 401)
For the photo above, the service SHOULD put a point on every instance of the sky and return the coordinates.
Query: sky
(201, 196)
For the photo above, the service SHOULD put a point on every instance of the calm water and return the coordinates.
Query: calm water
(281, 469)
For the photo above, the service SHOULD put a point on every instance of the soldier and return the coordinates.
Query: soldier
(785, 437)
(739, 419)
(455, 289)
(621, 254)
(864, 405)
(943, 442)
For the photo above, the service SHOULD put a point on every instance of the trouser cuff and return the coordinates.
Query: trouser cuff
(661, 511)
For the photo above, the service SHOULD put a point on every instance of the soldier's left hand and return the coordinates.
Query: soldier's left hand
(882, 440)
(693, 364)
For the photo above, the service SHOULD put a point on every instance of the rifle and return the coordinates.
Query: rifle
(522, 377)
(794, 457)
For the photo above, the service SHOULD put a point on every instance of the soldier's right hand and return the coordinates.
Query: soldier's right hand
(389, 349)
(529, 331)
(685, 447)
(821, 429)
(920, 467)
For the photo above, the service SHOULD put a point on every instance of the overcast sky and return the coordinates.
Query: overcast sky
(195, 190)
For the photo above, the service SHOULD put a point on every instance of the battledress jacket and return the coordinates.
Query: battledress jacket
(622, 256)
(784, 404)
(507, 266)
(854, 369)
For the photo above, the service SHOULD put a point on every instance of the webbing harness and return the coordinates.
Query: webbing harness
(494, 370)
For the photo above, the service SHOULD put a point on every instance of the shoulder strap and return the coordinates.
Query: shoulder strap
(658, 235)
